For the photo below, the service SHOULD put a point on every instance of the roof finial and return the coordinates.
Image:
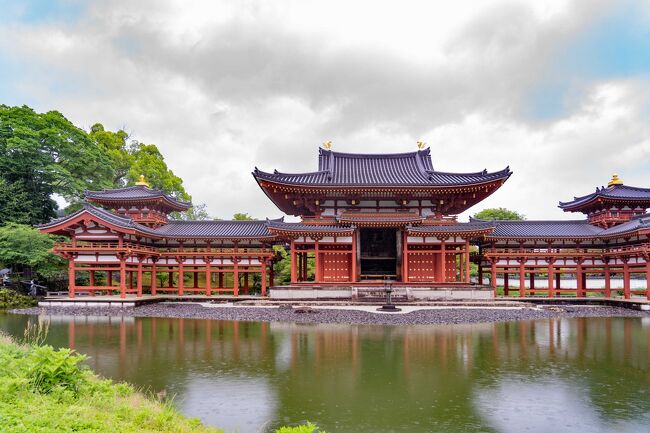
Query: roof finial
(328, 144)
(141, 181)
(615, 180)
(421, 144)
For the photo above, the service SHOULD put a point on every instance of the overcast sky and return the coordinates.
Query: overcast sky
(557, 90)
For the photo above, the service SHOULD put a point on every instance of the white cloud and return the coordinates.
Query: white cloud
(222, 87)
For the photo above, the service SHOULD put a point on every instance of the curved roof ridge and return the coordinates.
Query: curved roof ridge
(532, 221)
(482, 172)
(426, 151)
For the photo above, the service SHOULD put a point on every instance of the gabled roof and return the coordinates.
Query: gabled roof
(254, 229)
(102, 214)
(137, 193)
(618, 193)
(396, 169)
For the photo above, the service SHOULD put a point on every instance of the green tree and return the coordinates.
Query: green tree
(42, 154)
(499, 213)
(197, 212)
(242, 216)
(25, 248)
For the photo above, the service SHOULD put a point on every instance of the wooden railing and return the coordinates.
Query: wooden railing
(165, 251)
(563, 252)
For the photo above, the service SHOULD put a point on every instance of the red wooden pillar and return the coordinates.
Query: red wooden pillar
(608, 282)
(304, 266)
(579, 276)
(196, 278)
(318, 272)
(550, 291)
(271, 275)
(154, 277)
(353, 259)
(647, 278)
(493, 276)
(443, 261)
(294, 278)
(208, 276)
(264, 265)
(139, 284)
(170, 277)
(522, 278)
(558, 276)
(506, 283)
(109, 278)
(130, 280)
(123, 277)
(235, 277)
(480, 271)
(626, 279)
(92, 279)
(221, 279)
(246, 286)
(532, 279)
(405, 257)
(72, 284)
(181, 277)
(467, 261)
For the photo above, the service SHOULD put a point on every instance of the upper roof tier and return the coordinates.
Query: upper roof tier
(396, 169)
(611, 195)
(136, 194)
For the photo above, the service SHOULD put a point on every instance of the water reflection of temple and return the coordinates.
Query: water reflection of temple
(385, 377)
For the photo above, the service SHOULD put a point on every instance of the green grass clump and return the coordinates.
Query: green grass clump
(306, 428)
(10, 299)
(43, 389)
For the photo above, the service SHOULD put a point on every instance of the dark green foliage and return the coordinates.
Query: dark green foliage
(25, 246)
(10, 300)
(499, 213)
(44, 154)
(50, 368)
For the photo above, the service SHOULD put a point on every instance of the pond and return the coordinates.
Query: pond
(558, 375)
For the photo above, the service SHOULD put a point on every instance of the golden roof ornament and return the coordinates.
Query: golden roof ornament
(328, 144)
(421, 145)
(615, 180)
(141, 181)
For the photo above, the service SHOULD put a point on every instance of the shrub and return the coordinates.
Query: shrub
(10, 299)
(305, 428)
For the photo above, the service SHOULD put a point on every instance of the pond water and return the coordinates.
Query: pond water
(560, 375)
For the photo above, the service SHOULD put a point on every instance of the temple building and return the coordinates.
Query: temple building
(364, 219)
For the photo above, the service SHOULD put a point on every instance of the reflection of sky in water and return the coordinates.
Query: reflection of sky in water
(234, 404)
(518, 405)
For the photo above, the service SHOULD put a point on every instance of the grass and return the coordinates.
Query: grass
(45, 390)
(9, 299)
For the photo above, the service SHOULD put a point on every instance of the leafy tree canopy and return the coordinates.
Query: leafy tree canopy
(499, 213)
(45, 154)
(242, 216)
(22, 245)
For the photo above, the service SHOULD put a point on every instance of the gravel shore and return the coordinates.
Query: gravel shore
(274, 314)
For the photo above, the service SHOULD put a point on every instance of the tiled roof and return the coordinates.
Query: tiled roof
(134, 193)
(308, 228)
(103, 214)
(614, 192)
(543, 229)
(215, 229)
(641, 222)
(473, 226)
(348, 169)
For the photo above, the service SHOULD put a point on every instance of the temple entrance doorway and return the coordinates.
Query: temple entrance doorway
(378, 253)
